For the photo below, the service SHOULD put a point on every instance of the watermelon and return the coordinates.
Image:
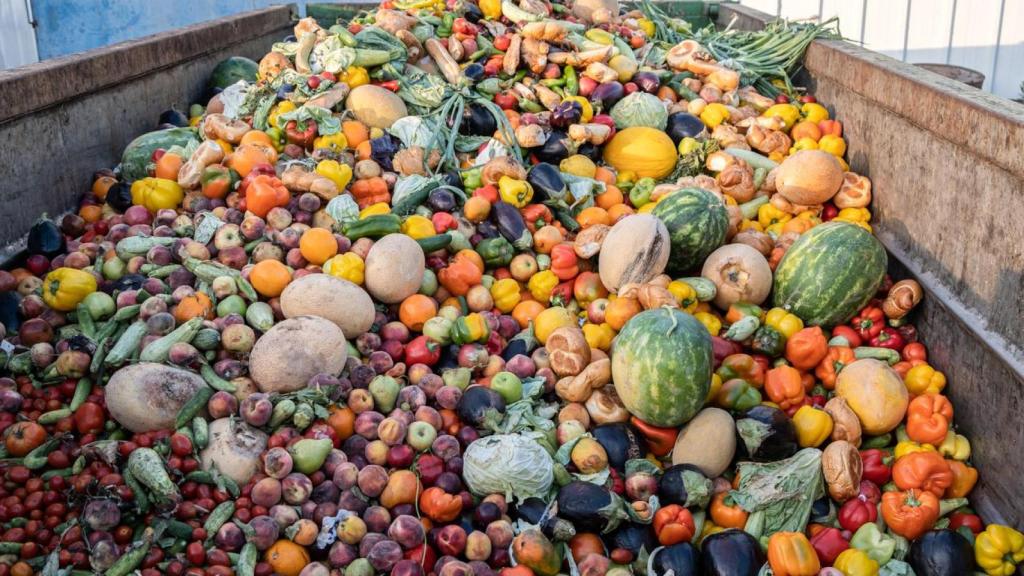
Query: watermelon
(697, 223)
(830, 273)
(139, 152)
(231, 70)
(661, 366)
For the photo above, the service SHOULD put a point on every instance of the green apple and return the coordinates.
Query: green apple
(508, 385)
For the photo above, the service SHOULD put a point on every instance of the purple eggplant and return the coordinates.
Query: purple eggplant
(647, 81)
(607, 94)
(511, 225)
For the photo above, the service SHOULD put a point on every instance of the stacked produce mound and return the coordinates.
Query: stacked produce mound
(485, 288)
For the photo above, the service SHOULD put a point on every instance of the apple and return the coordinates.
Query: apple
(596, 310)
(421, 435)
(508, 385)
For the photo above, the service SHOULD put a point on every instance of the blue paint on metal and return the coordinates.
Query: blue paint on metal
(68, 26)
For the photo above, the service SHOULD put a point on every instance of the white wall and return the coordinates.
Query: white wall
(17, 37)
(984, 35)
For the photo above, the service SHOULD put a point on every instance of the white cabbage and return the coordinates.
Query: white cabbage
(509, 464)
(640, 109)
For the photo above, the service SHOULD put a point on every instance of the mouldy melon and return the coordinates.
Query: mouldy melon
(635, 250)
(646, 151)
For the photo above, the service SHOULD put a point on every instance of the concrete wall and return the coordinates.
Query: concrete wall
(947, 166)
(62, 119)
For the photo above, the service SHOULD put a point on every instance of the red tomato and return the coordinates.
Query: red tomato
(89, 418)
(24, 437)
(180, 445)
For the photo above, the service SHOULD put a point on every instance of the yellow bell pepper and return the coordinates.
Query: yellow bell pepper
(804, 143)
(834, 145)
(578, 165)
(685, 295)
(814, 112)
(418, 227)
(626, 178)
(775, 230)
(587, 110)
(923, 379)
(647, 26)
(348, 266)
(999, 550)
(714, 114)
(716, 385)
(813, 426)
(505, 294)
(858, 216)
(491, 9)
(335, 142)
(64, 288)
(709, 529)
(955, 446)
(354, 76)
(375, 210)
(768, 215)
(710, 321)
(515, 192)
(788, 113)
(599, 335)
(687, 145)
(786, 323)
(157, 193)
(281, 108)
(751, 225)
(854, 562)
(340, 174)
(646, 208)
(909, 447)
(541, 285)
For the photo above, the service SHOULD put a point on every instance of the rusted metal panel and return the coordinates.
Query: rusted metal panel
(62, 119)
(947, 166)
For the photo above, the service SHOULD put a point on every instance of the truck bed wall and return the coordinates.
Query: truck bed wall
(64, 118)
(947, 166)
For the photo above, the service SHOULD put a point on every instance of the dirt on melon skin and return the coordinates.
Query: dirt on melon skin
(635, 250)
(147, 396)
(661, 366)
(830, 273)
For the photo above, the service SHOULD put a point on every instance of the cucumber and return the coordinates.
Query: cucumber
(147, 467)
(157, 351)
(372, 227)
(434, 243)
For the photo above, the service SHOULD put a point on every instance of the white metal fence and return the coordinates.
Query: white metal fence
(984, 35)
(17, 38)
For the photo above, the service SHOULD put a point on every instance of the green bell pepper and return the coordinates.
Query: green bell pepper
(496, 252)
(878, 545)
(768, 341)
(470, 328)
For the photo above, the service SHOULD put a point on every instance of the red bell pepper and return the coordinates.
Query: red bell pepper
(888, 338)
(963, 520)
(489, 193)
(443, 222)
(870, 491)
(300, 135)
(828, 544)
(562, 294)
(422, 350)
(876, 466)
(909, 333)
(856, 512)
(869, 322)
(850, 334)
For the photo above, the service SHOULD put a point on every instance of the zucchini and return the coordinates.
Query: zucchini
(139, 245)
(373, 226)
(753, 158)
(157, 351)
(434, 243)
(147, 467)
(127, 344)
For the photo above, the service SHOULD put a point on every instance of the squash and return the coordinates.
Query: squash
(739, 272)
(335, 299)
(648, 152)
(809, 177)
(636, 250)
(875, 393)
(595, 11)
(394, 268)
(708, 442)
(375, 106)
(295, 350)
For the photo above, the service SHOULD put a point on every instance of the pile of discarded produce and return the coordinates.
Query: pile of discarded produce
(473, 289)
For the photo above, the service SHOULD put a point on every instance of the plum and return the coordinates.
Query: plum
(407, 531)
(267, 492)
(277, 463)
(324, 492)
(451, 540)
(478, 546)
(229, 537)
(407, 568)
(265, 531)
(284, 515)
(256, 409)
(372, 480)
(345, 475)
(446, 447)
(296, 488)
(342, 554)
(384, 555)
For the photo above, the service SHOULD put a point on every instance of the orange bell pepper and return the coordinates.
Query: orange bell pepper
(926, 471)
(536, 216)
(791, 554)
(807, 348)
(726, 513)
(439, 505)
(370, 191)
(673, 524)
(928, 418)
(964, 479)
(265, 193)
(461, 274)
(564, 263)
(784, 386)
(910, 513)
(834, 361)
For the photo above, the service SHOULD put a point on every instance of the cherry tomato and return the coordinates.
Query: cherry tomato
(180, 445)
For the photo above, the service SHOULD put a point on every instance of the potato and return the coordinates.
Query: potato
(708, 442)
(295, 350)
(235, 449)
(147, 396)
(394, 268)
(335, 299)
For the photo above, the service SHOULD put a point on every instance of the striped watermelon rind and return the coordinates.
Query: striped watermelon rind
(697, 224)
(661, 366)
(830, 273)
